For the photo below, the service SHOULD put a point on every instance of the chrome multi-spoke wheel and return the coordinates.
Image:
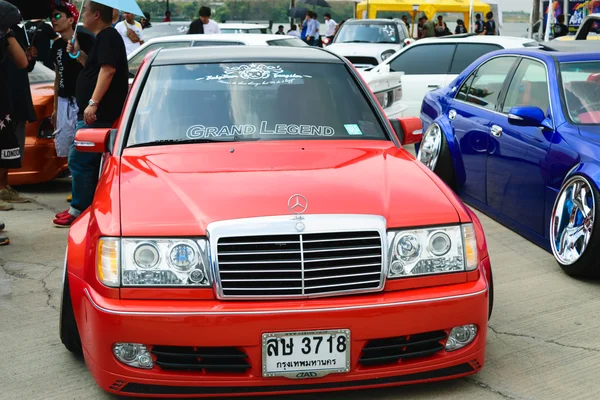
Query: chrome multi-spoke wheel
(572, 220)
(431, 145)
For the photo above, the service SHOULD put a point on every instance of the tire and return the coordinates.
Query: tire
(69, 334)
(437, 155)
(491, 296)
(444, 167)
(586, 261)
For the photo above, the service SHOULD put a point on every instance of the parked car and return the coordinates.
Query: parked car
(40, 162)
(159, 29)
(366, 43)
(516, 135)
(432, 63)
(231, 27)
(292, 245)
(223, 39)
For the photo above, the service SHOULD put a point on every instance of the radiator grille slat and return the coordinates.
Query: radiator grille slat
(300, 264)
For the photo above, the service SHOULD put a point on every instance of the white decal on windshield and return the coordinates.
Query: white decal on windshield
(201, 131)
(249, 74)
(353, 129)
(389, 30)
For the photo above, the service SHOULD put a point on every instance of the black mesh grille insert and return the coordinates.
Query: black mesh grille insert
(392, 350)
(201, 359)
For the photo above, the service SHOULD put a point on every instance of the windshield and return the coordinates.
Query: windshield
(41, 74)
(367, 33)
(262, 101)
(166, 29)
(581, 82)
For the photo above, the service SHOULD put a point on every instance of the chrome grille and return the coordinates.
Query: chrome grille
(299, 265)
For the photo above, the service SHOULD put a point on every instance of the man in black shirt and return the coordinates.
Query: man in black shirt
(560, 29)
(478, 24)
(40, 36)
(9, 148)
(101, 91)
(64, 117)
(489, 28)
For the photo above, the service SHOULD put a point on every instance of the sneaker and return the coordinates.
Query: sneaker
(4, 240)
(69, 198)
(4, 206)
(10, 195)
(61, 214)
(64, 221)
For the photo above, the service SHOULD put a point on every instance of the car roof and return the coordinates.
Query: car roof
(222, 37)
(218, 54)
(506, 41)
(228, 25)
(550, 55)
(371, 21)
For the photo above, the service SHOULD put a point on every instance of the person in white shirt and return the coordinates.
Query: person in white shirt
(210, 26)
(293, 31)
(131, 31)
(330, 25)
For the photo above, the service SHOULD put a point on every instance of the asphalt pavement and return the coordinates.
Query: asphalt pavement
(543, 340)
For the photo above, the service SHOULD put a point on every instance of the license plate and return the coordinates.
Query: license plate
(309, 354)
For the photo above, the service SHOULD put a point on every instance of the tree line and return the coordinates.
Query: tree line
(273, 10)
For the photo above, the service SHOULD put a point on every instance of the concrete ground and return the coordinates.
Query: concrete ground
(543, 340)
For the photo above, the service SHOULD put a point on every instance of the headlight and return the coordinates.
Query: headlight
(386, 54)
(153, 262)
(433, 250)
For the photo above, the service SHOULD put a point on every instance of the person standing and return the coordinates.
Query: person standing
(560, 29)
(10, 51)
(22, 102)
(116, 17)
(478, 24)
(489, 28)
(330, 26)
(294, 31)
(101, 91)
(41, 35)
(131, 31)
(167, 16)
(428, 28)
(280, 30)
(64, 118)
(460, 27)
(204, 24)
(311, 28)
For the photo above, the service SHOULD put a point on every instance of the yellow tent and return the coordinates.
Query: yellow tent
(369, 9)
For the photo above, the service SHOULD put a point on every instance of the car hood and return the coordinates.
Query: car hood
(178, 190)
(362, 49)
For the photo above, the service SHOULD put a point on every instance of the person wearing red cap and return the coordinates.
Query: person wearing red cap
(64, 117)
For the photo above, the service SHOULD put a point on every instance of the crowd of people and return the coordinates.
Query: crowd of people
(428, 28)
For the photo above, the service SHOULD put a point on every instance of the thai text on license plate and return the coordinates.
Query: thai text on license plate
(309, 354)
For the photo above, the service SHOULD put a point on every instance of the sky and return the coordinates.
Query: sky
(515, 5)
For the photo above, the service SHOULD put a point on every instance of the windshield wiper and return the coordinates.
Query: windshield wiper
(356, 41)
(223, 139)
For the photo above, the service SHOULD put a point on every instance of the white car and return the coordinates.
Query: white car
(223, 39)
(432, 63)
(368, 42)
(230, 27)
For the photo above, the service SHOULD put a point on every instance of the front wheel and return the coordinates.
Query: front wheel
(574, 243)
(69, 334)
(434, 152)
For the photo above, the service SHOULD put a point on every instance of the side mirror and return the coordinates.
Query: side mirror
(527, 116)
(93, 140)
(409, 130)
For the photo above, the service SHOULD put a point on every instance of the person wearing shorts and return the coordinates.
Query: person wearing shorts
(10, 155)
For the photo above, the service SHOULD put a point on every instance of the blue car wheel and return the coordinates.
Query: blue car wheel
(572, 237)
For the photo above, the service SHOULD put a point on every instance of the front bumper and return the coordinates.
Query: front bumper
(102, 322)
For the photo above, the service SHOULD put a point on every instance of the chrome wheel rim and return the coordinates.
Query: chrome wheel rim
(572, 220)
(431, 145)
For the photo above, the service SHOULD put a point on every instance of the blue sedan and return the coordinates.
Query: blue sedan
(517, 136)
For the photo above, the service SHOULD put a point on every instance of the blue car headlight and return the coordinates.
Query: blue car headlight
(434, 250)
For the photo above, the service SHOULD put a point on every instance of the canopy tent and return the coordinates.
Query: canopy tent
(368, 9)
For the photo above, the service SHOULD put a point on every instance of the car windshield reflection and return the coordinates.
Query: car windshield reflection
(367, 33)
(261, 101)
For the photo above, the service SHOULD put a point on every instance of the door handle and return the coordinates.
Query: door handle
(452, 115)
(433, 86)
(496, 130)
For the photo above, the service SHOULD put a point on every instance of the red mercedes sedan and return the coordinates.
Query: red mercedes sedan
(258, 228)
